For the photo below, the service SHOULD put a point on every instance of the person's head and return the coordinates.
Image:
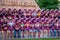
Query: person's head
(6, 12)
(56, 14)
(34, 13)
(19, 10)
(38, 11)
(2, 20)
(43, 11)
(0, 10)
(27, 23)
(51, 14)
(33, 10)
(9, 10)
(25, 11)
(52, 10)
(17, 16)
(59, 12)
(47, 10)
(56, 10)
(29, 11)
(14, 11)
(3, 9)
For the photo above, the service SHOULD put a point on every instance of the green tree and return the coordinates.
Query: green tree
(48, 4)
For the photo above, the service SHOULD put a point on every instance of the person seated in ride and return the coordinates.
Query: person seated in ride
(4, 12)
(59, 14)
(38, 13)
(29, 13)
(25, 13)
(34, 14)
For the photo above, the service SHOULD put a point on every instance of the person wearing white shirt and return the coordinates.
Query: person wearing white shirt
(11, 25)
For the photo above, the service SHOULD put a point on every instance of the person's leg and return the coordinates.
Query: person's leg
(26, 33)
(38, 33)
(14, 33)
(19, 33)
(51, 33)
(22, 33)
(2, 34)
(8, 34)
(48, 33)
(30, 36)
(54, 33)
(44, 33)
(11, 32)
(58, 33)
(34, 34)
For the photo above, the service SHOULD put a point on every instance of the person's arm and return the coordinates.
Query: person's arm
(17, 27)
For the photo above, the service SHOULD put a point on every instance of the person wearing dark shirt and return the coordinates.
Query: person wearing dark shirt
(4, 28)
(17, 30)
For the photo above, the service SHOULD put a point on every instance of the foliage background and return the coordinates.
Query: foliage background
(48, 4)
